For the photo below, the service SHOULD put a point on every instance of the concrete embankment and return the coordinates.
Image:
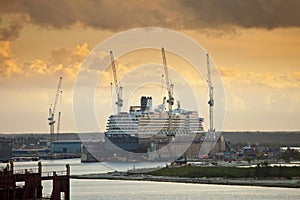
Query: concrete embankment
(290, 183)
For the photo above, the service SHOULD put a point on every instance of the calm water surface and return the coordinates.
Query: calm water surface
(129, 190)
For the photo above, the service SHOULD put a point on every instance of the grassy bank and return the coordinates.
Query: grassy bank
(229, 172)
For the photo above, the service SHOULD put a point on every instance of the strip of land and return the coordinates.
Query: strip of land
(266, 182)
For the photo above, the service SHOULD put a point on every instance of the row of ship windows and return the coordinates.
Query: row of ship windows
(154, 121)
(116, 132)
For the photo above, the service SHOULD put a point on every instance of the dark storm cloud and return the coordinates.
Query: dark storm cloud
(10, 27)
(178, 14)
(105, 14)
(247, 14)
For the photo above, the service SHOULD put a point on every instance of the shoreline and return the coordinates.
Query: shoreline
(285, 183)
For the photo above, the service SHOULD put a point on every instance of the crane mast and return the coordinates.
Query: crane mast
(52, 110)
(118, 87)
(170, 99)
(58, 125)
(211, 96)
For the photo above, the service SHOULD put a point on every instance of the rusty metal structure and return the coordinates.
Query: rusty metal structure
(27, 184)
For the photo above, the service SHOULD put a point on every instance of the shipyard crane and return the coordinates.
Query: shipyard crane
(170, 99)
(52, 110)
(58, 125)
(118, 86)
(59, 117)
(211, 96)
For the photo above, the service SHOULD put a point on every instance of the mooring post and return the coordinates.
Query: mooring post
(40, 168)
(11, 166)
(68, 169)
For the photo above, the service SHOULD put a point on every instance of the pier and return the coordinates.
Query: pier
(27, 183)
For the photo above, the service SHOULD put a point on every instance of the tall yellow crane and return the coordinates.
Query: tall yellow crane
(170, 99)
(118, 86)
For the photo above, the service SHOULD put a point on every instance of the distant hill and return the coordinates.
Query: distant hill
(276, 138)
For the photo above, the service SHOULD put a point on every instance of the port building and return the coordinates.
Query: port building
(66, 147)
(5, 150)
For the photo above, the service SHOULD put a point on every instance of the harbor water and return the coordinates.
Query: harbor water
(128, 190)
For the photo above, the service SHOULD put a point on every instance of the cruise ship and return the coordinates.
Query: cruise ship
(128, 130)
(142, 133)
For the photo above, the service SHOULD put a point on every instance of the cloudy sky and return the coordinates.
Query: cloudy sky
(254, 44)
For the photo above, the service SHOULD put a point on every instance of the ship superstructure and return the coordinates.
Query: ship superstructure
(143, 122)
(130, 130)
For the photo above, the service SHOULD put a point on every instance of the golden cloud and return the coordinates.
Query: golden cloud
(288, 80)
(8, 66)
(4, 49)
(64, 61)
(277, 81)
(227, 72)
